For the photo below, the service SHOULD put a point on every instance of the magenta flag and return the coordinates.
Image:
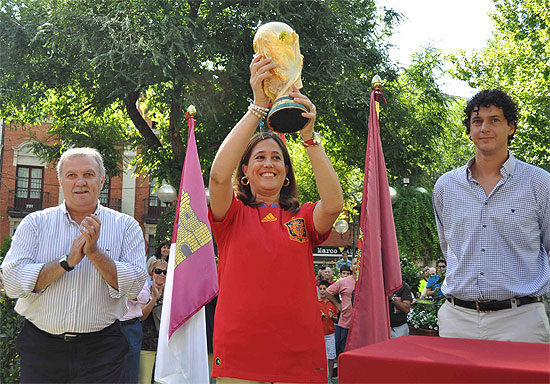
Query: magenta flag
(195, 278)
(380, 269)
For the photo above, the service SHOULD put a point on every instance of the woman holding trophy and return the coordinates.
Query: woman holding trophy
(265, 329)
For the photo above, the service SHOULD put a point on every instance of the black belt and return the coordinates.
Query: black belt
(494, 305)
(71, 336)
(131, 321)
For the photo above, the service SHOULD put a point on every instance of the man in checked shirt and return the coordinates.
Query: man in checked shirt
(70, 267)
(493, 219)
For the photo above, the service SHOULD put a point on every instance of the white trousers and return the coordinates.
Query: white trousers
(527, 323)
(402, 330)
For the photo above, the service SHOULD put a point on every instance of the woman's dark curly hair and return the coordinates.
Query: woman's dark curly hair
(496, 98)
(288, 199)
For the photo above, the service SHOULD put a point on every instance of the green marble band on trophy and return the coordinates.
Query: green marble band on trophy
(280, 42)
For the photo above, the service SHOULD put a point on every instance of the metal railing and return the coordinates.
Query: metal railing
(113, 203)
(153, 208)
(21, 206)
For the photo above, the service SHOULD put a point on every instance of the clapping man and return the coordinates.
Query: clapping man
(71, 267)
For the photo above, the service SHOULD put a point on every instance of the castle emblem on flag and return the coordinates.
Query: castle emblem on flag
(192, 233)
(269, 218)
(297, 230)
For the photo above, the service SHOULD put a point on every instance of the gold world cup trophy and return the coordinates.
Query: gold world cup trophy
(280, 42)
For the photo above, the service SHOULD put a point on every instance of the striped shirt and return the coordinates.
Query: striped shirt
(80, 300)
(497, 246)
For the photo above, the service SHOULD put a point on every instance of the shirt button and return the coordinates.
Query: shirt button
(484, 225)
(485, 203)
(482, 249)
(481, 273)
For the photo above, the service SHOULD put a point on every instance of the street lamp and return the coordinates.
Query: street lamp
(342, 226)
(393, 195)
(207, 195)
(167, 194)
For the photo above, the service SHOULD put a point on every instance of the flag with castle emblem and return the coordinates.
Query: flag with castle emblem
(182, 355)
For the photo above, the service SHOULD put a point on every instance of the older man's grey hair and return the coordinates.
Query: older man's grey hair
(81, 152)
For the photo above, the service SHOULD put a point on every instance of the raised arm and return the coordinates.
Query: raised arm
(232, 148)
(328, 185)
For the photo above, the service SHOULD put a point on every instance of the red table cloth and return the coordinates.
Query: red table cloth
(420, 359)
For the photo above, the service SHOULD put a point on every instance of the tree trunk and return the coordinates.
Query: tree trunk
(139, 121)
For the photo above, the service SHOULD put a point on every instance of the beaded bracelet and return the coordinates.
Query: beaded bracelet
(257, 107)
(259, 114)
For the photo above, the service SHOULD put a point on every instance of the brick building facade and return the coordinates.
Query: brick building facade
(28, 184)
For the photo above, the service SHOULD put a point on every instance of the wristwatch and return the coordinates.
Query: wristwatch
(64, 264)
(314, 141)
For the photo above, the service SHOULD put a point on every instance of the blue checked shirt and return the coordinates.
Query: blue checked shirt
(497, 246)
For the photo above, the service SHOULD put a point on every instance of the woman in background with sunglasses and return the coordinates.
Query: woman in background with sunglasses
(151, 318)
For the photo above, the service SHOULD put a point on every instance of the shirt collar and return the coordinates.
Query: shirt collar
(68, 215)
(506, 170)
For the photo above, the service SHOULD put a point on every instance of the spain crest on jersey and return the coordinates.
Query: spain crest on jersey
(297, 230)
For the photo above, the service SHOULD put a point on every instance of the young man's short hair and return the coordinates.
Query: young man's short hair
(345, 268)
(323, 282)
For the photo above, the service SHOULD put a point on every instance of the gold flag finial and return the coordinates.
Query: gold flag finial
(376, 82)
(192, 110)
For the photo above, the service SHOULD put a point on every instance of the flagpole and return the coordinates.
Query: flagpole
(377, 86)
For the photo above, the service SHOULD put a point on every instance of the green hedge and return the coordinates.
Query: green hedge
(10, 326)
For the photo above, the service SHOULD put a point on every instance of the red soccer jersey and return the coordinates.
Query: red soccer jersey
(326, 308)
(268, 329)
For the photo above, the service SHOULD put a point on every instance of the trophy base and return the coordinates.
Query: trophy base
(286, 116)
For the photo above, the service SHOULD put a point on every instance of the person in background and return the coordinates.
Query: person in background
(71, 268)
(260, 227)
(399, 305)
(432, 275)
(343, 261)
(493, 221)
(151, 311)
(433, 288)
(328, 275)
(132, 329)
(319, 275)
(441, 266)
(163, 250)
(344, 287)
(328, 317)
(424, 281)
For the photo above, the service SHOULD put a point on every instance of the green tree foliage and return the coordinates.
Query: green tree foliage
(165, 225)
(452, 148)
(415, 226)
(517, 60)
(4, 247)
(417, 120)
(79, 63)
(410, 273)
